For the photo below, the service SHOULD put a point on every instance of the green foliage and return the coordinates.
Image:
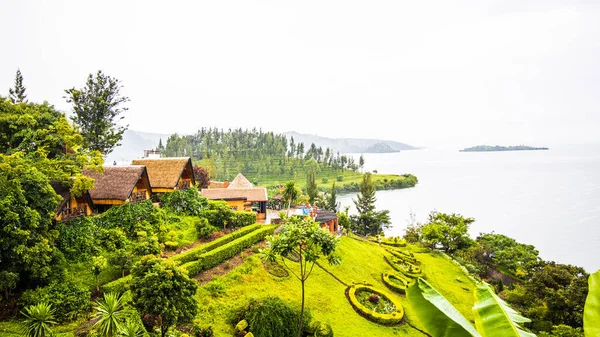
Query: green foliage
(271, 317)
(215, 256)
(368, 221)
(591, 318)
(96, 111)
(147, 245)
(563, 331)
(242, 219)
(184, 202)
(391, 318)
(77, 238)
(98, 264)
(70, 300)
(161, 288)
(449, 232)
(217, 212)
(17, 94)
(38, 320)
(131, 329)
(122, 258)
(8, 282)
(109, 315)
(215, 288)
(311, 168)
(324, 180)
(339, 178)
(195, 252)
(291, 193)
(132, 218)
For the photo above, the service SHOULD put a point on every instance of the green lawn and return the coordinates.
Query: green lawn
(361, 262)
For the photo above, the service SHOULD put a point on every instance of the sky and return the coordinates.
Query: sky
(427, 73)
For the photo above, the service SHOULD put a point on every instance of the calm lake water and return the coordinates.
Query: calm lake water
(550, 199)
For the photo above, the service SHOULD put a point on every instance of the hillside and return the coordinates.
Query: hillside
(351, 145)
(497, 148)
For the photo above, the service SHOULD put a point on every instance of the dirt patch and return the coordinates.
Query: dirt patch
(213, 236)
(227, 266)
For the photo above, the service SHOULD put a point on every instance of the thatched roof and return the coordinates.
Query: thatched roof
(217, 184)
(116, 183)
(248, 194)
(325, 216)
(164, 172)
(240, 182)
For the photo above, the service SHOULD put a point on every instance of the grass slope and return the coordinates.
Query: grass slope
(361, 262)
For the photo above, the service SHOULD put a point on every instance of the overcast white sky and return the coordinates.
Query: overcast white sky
(428, 73)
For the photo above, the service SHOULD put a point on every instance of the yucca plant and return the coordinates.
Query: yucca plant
(109, 313)
(493, 317)
(38, 320)
(131, 329)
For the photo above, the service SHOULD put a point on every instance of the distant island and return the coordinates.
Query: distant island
(488, 148)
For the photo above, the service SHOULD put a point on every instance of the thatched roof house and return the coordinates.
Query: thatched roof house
(241, 195)
(168, 174)
(240, 182)
(71, 206)
(118, 185)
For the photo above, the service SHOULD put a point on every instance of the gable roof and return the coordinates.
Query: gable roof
(325, 216)
(164, 172)
(116, 183)
(240, 182)
(248, 194)
(65, 193)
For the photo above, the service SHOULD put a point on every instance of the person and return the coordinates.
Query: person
(114, 163)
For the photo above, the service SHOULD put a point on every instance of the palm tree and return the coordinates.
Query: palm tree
(131, 329)
(109, 313)
(290, 193)
(38, 319)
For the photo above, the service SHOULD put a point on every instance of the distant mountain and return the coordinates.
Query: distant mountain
(488, 148)
(133, 145)
(351, 145)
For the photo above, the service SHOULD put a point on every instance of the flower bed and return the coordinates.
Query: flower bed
(405, 268)
(397, 282)
(375, 305)
(408, 257)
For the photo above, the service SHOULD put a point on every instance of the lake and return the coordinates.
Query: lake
(549, 199)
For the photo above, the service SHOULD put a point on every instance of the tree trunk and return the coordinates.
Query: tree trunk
(301, 312)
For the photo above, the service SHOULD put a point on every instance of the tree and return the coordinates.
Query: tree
(8, 282)
(450, 232)
(98, 264)
(332, 203)
(504, 253)
(109, 314)
(361, 162)
(38, 320)
(97, 108)
(368, 221)
(303, 238)
(290, 193)
(160, 147)
(201, 176)
(311, 187)
(163, 290)
(17, 95)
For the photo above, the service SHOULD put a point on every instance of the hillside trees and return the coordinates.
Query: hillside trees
(17, 94)
(368, 221)
(447, 231)
(97, 108)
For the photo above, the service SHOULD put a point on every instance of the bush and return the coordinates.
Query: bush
(69, 300)
(147, 245)
(220, 254)
(172, 245)
(132, 217)
(184, 202)
(215, 288)
(193, 253)
(340, 178)
(203, 228)
(324, 180)
(242, 219)
(271, 317)
(217, 212)
(118, 286)
(76, 238)
(385, 319)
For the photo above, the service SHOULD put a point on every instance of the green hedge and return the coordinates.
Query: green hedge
(242, 219)
(412, 273)
(385, 319)
(401, 289)
(118, 286)
(400, 243)
(404, 256)
(220, 254)
(195, 252)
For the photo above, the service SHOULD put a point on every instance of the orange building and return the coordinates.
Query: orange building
(241, 195)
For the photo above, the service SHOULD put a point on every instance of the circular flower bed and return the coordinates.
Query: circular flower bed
(375, 305)
(397, 282)
(405, 268)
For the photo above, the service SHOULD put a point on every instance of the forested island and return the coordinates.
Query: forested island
(489, 148)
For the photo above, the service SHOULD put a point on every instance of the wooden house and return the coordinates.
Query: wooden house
(118, 185)
(71, 206)
(168, 174)
(327, 220)
(241, 195)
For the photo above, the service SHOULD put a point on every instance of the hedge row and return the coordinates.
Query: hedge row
(413, 272)
(404, 256)
(394, 244)
(118, 286)
(242, 219)
(220, 254)
(195, 252)
(387, 280)
(385, 319)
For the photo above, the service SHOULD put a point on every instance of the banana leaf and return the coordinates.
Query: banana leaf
(440, 318)
(591, 313)
(494, 318)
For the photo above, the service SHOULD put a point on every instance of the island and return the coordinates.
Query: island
(488, 148)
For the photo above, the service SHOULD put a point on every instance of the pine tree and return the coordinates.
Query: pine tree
(17, 95)
(368, 221)
(332, 203)
(160, 145)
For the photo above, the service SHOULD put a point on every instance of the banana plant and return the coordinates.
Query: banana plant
(493, 317)
(591, 312)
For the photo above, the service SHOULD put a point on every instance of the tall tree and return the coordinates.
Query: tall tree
(303, 238)
(368, 221)
(361, 162)
(17, 94)
(97, 108)
(332, 203)
(290, 193)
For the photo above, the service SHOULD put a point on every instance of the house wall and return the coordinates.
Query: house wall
(142, 185)
(237, 205)
(76, 202)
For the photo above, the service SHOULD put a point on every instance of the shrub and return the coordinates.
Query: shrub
(385, 319)
(215, 288)
(118, 286)
(193, 253)
(147, 245)
(271, 317)
(76, 238)
(323, 330)
(38, 320)
(171, 245)
(340, 178)
(184, 202)
(132, 217)
(69, 300)
(217, 212)
(242, 219)
(220, 254)
(203, 228)
(324, 180)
